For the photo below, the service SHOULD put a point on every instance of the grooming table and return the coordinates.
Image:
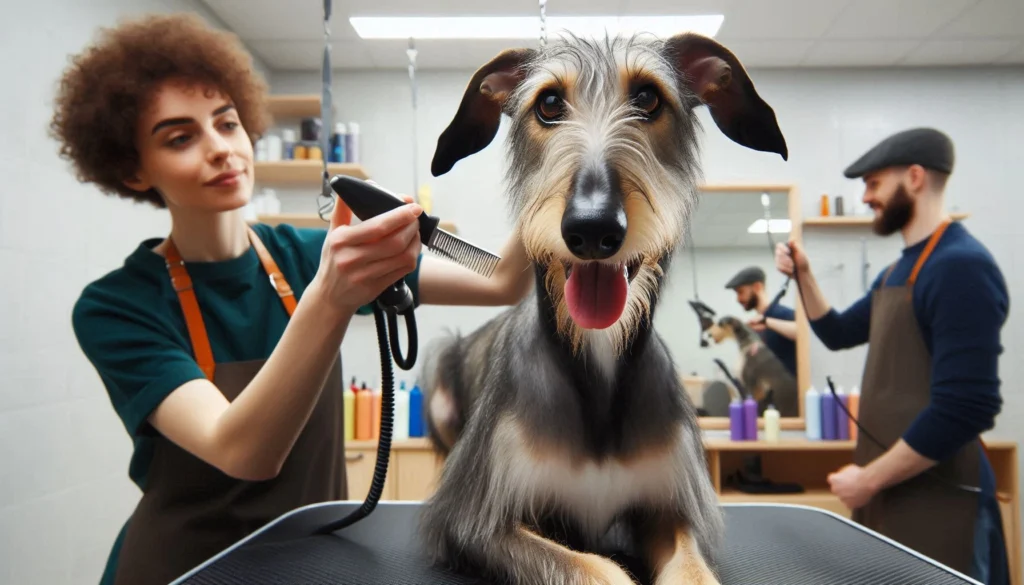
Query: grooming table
(766, 544)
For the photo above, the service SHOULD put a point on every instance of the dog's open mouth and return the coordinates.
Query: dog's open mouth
(596, 292)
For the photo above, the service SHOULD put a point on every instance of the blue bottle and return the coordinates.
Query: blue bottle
(337, 154)
(812, 412)
(416, 426)
(828, 416)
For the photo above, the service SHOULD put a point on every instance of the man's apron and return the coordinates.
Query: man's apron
(190, 510)
(921, 513)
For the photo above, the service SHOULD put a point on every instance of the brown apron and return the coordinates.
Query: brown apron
(922, 513)
(190, 510)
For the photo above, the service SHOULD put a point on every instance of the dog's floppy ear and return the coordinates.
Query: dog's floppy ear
(718, 79)
(477, 119)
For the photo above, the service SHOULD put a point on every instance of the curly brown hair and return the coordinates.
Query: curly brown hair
(103, 91)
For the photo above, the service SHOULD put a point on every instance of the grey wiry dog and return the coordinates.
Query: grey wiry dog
(759, 369)
(564, 416)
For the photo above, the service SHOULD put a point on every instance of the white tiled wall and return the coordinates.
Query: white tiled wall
(64, 488)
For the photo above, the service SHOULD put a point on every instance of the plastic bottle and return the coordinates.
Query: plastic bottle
(737, 428)
(349, 401)
(854, 406)
(363, 416)
(772, 423)
(287, 145)
(812, 414)
(338, 143)
(400, 430)
(425, 198)
(842, 421)
(375, 402)
(352, 143)
(416, 426)
(828, 416)
(750, 419)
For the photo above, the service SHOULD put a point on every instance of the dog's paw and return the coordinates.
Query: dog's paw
(688, 574)
(603, 571)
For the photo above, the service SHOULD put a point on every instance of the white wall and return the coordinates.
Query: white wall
(64, 487)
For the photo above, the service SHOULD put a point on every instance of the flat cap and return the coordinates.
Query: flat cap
(927, 147)
(748, 275)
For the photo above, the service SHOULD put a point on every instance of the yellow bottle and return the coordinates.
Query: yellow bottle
(425, 198)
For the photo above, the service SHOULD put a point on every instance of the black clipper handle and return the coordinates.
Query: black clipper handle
(368, 201)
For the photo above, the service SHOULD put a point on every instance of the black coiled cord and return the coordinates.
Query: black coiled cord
(396, 299)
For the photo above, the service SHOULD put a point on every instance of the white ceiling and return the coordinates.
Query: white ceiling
(288, 34)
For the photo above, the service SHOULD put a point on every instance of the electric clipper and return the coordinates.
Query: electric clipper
(367, 200)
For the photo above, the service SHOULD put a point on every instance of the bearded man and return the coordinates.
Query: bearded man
(932, 321)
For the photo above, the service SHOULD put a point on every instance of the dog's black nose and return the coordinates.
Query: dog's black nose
(594, 221)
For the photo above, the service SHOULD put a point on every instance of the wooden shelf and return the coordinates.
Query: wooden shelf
(312, 220)
(307, 172)
(294, 105)
(857, 220)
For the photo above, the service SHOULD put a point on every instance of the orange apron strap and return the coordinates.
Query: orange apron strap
(182, 283)
(277, 280)
(932, 241)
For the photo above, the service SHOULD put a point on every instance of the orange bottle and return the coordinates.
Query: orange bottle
(824, 206)
(375, 397)
(363, 415)
(854, 406)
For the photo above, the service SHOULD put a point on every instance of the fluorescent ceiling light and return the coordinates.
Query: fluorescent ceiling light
(778, 226)
(528, 27)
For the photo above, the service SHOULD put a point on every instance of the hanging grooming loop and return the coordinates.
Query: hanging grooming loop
(412, 53)
(543, 23)
(326, 199)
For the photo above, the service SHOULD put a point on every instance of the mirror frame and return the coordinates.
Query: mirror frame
(803, 330)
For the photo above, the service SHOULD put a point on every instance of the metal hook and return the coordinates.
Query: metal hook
(543, 23)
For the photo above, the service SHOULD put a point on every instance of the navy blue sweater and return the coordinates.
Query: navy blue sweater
(961, 303)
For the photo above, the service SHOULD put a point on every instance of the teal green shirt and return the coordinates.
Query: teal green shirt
(130, 325)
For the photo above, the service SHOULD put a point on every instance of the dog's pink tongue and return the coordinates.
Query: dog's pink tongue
(596, 295)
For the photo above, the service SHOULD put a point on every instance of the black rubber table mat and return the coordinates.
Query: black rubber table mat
(766, 545)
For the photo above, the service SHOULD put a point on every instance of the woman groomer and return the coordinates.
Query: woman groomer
(228, 382)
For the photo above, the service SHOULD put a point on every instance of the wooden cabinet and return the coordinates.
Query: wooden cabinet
(413, 470)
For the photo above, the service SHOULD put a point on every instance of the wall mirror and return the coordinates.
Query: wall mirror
(727, 238)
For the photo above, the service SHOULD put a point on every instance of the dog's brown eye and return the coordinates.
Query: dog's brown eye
(646, 99)
(550, 107)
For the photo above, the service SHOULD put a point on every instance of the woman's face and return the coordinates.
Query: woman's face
(193, 150)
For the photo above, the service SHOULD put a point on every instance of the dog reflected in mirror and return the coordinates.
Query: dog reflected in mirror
(563, 421)
(758, 368)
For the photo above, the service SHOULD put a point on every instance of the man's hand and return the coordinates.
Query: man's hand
(757, 324)
(852, 486)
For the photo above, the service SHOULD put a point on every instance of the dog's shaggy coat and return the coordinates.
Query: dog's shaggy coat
(555, 434)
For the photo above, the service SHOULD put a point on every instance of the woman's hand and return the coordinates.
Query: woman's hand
(359, 261)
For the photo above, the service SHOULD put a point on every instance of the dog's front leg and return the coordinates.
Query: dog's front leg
(673, 554)
(530, 558)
